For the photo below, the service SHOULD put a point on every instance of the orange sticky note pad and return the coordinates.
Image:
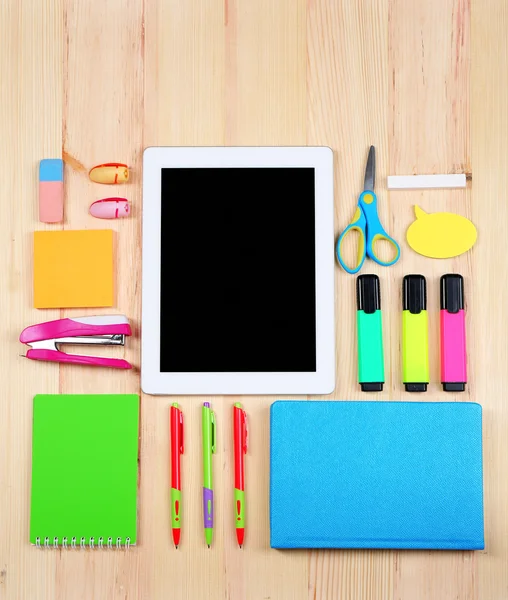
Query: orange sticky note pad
(73, 269)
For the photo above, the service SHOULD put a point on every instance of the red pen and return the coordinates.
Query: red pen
(176, 425)
(453, 334)
(240, 441)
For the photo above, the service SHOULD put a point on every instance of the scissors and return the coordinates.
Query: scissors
(366, 222)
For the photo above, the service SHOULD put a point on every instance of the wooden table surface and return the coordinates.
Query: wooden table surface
(426, 82)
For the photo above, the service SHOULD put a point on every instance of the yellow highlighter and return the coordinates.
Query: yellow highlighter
(415, 334)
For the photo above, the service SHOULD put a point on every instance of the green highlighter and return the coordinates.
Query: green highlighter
(371, 368)
(415, 334)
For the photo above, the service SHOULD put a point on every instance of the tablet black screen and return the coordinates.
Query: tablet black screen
(238, 276)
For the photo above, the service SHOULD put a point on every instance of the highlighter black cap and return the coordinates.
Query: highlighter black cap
(414, 294)
(368, 295)
(452, 292)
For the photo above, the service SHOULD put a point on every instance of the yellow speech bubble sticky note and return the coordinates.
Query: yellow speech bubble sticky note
(440, 235)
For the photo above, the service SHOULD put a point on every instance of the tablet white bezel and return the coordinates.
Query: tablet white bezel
(153, 381)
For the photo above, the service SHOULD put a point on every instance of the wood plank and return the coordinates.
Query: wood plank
(31, 59)
(347, 110)
(265, 105)
(429, 57)
(489, 147)
(184, 105)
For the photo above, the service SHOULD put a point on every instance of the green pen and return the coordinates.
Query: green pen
(208, 423)
(371, 368)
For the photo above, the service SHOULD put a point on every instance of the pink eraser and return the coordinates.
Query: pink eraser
(51, 201)
(51, 190)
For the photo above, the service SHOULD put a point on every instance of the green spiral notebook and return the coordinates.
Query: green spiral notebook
(84, 470)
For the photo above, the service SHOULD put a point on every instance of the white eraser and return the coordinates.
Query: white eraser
(422, 182)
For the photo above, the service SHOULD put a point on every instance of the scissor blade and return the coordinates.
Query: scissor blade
(370, 171)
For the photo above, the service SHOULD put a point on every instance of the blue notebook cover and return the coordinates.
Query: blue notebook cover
(376, 475)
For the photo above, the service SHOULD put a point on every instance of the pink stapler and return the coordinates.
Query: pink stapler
(107, 330)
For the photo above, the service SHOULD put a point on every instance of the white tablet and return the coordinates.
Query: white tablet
(238, 271)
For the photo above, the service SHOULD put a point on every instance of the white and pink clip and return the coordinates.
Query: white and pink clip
(107, 330)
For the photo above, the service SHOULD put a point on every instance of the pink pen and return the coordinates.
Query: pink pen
(453, 334)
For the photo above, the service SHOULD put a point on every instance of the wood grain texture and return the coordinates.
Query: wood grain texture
(489, 131)
(425, 82)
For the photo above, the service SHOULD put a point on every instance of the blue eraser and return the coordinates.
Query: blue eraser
(51, 169)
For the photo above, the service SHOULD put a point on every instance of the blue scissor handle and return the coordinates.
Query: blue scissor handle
(359, 224)
(375, 231)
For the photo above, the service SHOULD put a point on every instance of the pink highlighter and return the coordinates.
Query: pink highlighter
(453, 334)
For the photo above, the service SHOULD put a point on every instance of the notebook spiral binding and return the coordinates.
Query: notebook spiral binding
(73, 544)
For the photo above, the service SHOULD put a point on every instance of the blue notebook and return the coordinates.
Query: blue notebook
(376, 475)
